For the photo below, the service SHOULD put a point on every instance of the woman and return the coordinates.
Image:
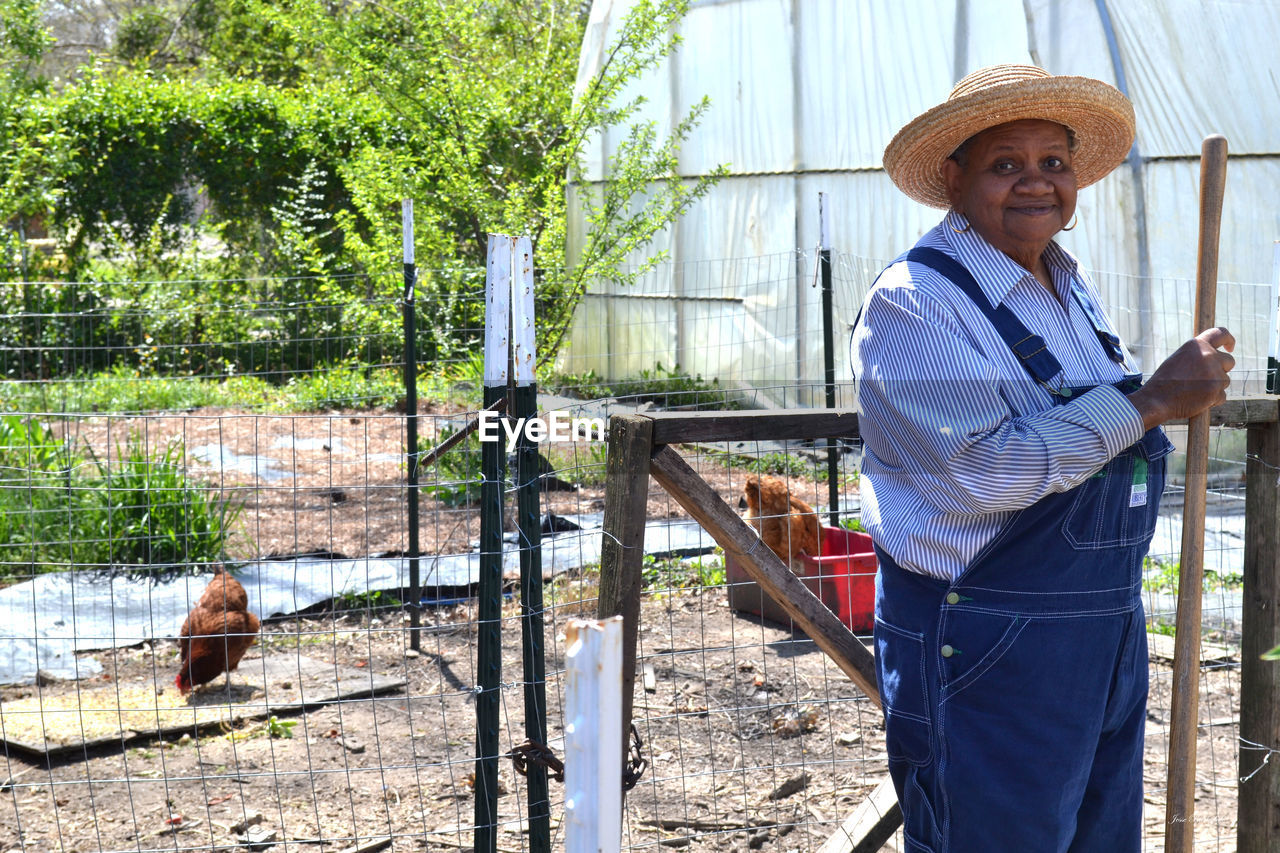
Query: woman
(1012, 472)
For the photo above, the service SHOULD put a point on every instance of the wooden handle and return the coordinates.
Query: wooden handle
(1180, 806)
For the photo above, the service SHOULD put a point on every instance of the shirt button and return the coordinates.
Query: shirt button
(947, 651)
(953, 598)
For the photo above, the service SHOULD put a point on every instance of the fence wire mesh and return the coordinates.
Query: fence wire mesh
(146, 443)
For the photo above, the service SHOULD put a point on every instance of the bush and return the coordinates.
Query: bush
(61, 507)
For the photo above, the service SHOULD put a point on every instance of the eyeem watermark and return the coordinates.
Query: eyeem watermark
(556, 426)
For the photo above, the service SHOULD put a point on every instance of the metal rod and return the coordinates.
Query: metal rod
(829, 360)
(529, 521)
(411, 423)
(497, 335)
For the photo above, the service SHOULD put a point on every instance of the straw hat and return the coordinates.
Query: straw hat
(1100, 116)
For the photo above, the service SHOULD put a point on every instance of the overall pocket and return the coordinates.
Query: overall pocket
(904, 694)
(1118, 506)
(976, 641)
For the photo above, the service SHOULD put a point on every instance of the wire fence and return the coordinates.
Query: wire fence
(148, 441)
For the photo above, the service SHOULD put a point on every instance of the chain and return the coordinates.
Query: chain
(637, 764)
(532, 752)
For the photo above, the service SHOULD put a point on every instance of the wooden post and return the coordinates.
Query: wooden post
(1180, 810)
(626, 499)
(870, 826)
(1259, 793)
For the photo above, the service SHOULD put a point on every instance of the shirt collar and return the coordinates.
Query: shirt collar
(1000, 273)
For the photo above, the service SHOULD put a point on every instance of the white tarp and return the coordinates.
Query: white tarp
(806, 93)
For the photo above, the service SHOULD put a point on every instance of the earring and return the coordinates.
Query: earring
(965, 229)
(1075, 220)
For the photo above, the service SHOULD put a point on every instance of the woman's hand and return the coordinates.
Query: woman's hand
(1188, 382)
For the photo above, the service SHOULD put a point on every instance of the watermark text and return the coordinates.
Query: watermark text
(556, 426)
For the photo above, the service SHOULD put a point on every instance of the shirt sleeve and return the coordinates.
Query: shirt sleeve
(935, 408)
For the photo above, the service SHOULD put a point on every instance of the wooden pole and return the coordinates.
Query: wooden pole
(1258, 818)
(626, 500)
(1180, 806)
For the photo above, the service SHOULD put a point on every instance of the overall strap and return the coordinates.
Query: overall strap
(1030, 349)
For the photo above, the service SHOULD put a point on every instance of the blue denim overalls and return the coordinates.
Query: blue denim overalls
(1015, 696)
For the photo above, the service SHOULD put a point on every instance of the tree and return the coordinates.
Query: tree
(484, 93)
(304, 123)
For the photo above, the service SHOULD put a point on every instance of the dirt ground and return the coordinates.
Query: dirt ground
(752, 738)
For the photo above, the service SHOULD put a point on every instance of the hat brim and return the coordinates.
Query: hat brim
(1101, 117)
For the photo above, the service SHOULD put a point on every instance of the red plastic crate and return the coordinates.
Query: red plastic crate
(843, 578)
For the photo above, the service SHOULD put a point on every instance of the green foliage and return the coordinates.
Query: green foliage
(278, 728)
(60, 506)
(141, 34)
(674, 388)
(583, 462)
(23, 43)
(154, 515)
(456, 478)
(854, 524)
(1273, 654)
(290, 131)
(669, 387)
(673, 574)
(1161, 574)
(123, 390)
(371, 600)
(338, 388)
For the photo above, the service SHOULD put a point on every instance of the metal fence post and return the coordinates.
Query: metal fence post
(497, 337)
(411, 421)
(829, 356)
(529, 512)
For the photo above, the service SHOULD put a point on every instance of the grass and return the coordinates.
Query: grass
(370, 601)
(455, 476)
(581, 462)
(669, 387)
(1161, 574)
(60, 506)
(675, 574)
(125, 391)
(779, 465)
(578, 593)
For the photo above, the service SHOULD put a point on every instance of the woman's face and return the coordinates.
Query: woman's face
(1016, 186)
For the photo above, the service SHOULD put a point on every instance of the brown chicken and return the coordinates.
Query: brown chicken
(216, 634)
(788, 525)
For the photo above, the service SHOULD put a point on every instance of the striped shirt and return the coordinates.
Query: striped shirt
(957, 435)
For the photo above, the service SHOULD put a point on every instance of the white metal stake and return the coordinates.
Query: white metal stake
(497, 315)
(522, 306)
(406, 228)
(824, 225)
(1273, 350)
(592, 751)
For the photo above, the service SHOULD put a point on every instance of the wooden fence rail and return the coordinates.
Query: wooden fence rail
(641, 445)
